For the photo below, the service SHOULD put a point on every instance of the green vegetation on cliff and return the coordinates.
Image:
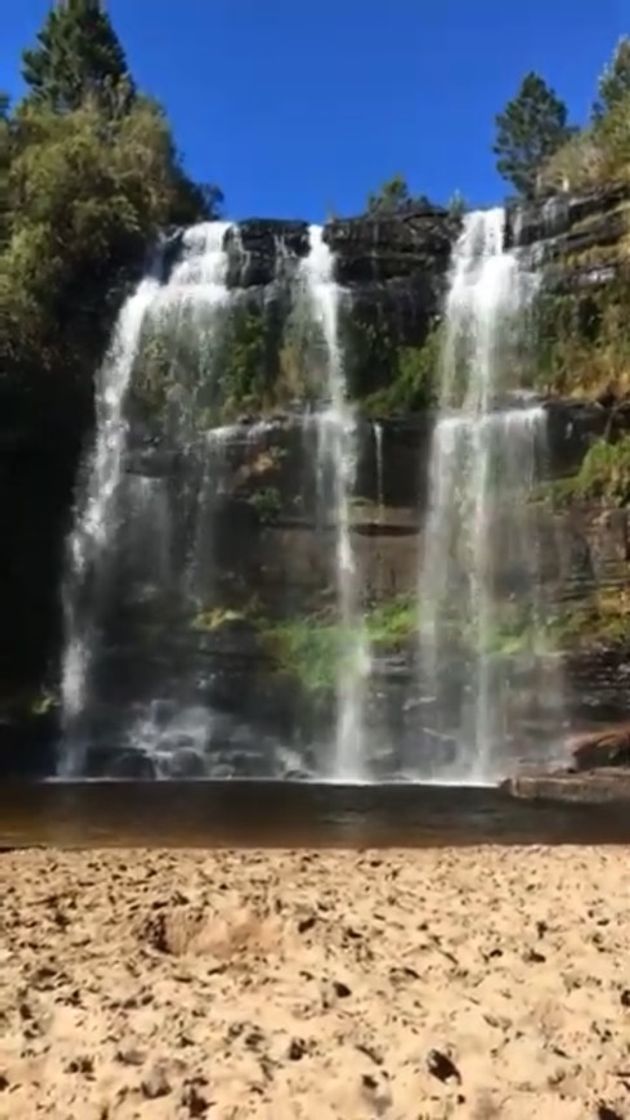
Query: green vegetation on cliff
(386, 375)
(599, 154)
(394, 197)
(583, 339)
(602, 618)
(605, 472)
(604, 476)
(313, 648)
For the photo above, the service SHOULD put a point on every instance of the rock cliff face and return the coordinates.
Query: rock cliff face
(270, 559)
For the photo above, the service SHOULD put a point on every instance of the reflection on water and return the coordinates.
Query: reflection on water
(291, 814)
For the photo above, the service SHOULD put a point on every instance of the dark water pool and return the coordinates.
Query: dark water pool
(253, 813)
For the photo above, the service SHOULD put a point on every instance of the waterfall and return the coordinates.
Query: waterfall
(380, 473)
(336, 461)
(96, 515)
(197, 284)
(480, 580)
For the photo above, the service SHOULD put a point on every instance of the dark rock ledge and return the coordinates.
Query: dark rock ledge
(598, 771)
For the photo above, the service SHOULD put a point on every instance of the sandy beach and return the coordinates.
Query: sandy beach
(483, 982)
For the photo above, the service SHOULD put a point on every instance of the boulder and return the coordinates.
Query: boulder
(604, 747)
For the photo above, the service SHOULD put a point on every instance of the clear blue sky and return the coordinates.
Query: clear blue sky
(297, 107)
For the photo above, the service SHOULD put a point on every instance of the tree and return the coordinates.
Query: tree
(89, 177)
(5, 156)
(530, 129)
(614, 84)
(393, 197)
(79, 54)
(84, 197)
(457, 205)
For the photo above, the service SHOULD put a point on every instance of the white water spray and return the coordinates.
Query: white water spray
(479, 527)
(336, 455)
(197, 281)
(380, 469)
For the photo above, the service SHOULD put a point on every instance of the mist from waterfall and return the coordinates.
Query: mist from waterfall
(481, 570)
(336, 466)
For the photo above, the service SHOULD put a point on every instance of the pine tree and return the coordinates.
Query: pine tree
(5, 154)
(393, 197)
(79, 54)
(614, 84)
(529, 130)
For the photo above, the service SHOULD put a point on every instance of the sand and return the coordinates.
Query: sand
(482, 982)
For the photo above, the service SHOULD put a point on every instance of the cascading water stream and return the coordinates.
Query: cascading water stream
(481, 558)
(380, 468)
(336, 459)
(197, 283)
(96, 515)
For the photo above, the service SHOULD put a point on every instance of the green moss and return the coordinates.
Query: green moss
(604, 619)
(605, 472)
(310, 650)
(413, 380)
(267, 503)
(604, 476)
(248, 366)
(211, 367)
(515, 630)
(315, 648)
(583, 340)
(392, 623)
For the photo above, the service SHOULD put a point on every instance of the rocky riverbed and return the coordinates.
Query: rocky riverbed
(479, 983)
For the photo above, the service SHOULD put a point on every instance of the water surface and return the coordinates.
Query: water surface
(291, 814)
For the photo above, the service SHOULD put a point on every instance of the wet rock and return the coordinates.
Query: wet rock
(155, 1084)
(442, 1067)
(255, 255)
(391, 246)
(187, 763)
(609, 746)
(112, 762)
(593, 787)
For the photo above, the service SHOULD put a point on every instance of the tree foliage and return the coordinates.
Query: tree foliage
(78, 54)
(394, 197)
(89, 175)
(530, 129)
(614, 83)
